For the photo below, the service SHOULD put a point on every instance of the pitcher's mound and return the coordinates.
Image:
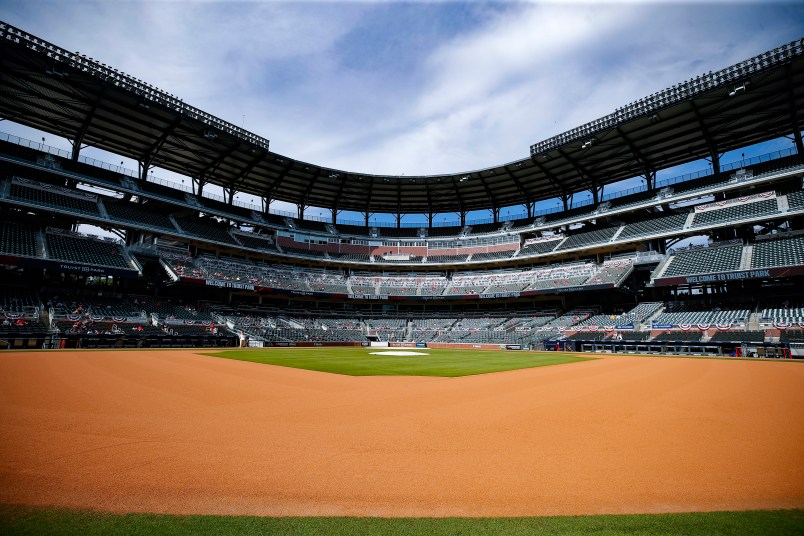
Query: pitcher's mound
(398, 352)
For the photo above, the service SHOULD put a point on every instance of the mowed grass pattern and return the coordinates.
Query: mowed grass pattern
(359, 361)
(15, 520)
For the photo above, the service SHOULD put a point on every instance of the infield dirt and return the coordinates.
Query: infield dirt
(179, 432)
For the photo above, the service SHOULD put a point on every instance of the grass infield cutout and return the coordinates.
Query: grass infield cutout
(359, 361)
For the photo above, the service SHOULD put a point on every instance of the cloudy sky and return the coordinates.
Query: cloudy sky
(409, 87)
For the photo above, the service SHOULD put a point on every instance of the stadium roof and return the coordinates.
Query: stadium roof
(83, 100)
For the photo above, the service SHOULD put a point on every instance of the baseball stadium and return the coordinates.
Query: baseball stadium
(180, 356)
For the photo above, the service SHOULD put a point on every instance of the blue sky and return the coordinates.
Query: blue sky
(408, 87)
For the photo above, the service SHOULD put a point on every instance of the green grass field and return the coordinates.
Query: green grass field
(15, 520)
(358, 361)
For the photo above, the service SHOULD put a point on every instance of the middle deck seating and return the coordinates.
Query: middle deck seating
(660, 225)
(597, 236)
(207, 229)
(139, 214)
(705, 260)
(85, 250)
(778, 252)
(736, 212)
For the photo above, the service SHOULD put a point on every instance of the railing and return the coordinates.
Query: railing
(725, 168)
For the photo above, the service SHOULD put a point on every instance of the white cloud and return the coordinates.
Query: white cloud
(517, 74)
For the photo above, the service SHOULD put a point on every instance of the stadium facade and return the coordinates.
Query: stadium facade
(194, 269)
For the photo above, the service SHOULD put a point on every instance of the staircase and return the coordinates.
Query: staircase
(753, 322)
(102, 209)
(688, 223)
(745, 259)
(41, 250)
(659, 271)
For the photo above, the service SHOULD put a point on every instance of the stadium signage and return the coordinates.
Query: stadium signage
(662, 326)
(513, 346)
(624, 326)
(499, 295)
(368, 296)
(228, 284)
(731, 276)
(538, 239)
(739, 201)
(28, 262)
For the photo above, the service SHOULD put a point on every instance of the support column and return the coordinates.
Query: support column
(300, 210)
(495, 214)
(595, 195)
(650, 179)
(797, 141)
(715, 161)
(531, 208)
(398, 220)
(463, 218)
(334, 212)
(430, 220)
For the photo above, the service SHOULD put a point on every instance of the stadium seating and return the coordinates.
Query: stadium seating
(587, 336)
(305, 252)
(16, 239)
(686, 315)
(631, 200)
(255, 241)
(85, 250)
(485, 228)
(795, 201)
(55, 197)
(431, 258)
(208, 229)
(444, 231)
(736, 212)
(588, 238)
(778, 252)
(538, 248)
(567, 215)
(654, 226)
(398, 232)
(355, 257)
(678, 336)
(704, 260)
(138, 215)
(494, 255)
(16, 301)
(792, 335)
(738, 336)
(388, 329)
(784, 314)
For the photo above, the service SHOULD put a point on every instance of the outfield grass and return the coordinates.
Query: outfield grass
(16, 520)
(358, 361)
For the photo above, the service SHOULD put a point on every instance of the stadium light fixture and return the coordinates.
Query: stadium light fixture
(588, 144)
(737, 90)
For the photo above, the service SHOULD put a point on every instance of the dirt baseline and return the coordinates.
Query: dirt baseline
(178, 432)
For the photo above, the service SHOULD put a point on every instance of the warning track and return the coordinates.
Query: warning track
(179, 432)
